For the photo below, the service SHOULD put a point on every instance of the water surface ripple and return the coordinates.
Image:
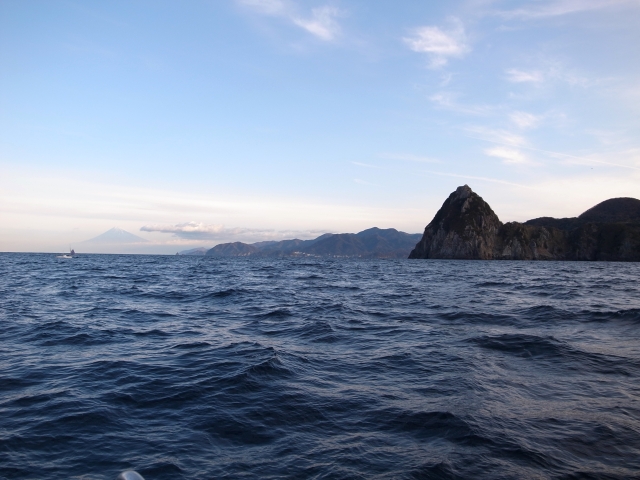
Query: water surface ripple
(199, 368)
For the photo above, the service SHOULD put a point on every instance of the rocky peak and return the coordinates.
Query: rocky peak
(464, 227)
(463, 192)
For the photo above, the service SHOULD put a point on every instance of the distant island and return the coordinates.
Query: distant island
(466, 227)
(371, 243)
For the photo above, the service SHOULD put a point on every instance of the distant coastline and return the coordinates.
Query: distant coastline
(371, 243)
(466, 228)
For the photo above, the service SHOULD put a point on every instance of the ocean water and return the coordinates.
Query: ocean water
(199, 368)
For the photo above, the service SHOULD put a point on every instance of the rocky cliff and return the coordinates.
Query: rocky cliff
(467, 228)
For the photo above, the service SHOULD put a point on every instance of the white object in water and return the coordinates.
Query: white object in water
(71, 254)
(130, 475)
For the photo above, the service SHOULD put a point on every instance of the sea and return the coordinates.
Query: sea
(186, 367)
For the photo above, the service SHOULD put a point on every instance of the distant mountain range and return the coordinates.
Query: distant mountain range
(371, 243)
(466, 227)
(115, 236)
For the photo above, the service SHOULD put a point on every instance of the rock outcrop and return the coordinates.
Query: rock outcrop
(464, 228)
(467, 228)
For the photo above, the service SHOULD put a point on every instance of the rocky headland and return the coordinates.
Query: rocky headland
(467, 228)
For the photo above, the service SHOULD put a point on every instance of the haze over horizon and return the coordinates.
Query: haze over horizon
(197, 123)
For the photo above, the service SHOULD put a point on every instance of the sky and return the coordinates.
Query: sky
(193, 123)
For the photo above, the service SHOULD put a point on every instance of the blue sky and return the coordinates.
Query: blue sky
(199, 122)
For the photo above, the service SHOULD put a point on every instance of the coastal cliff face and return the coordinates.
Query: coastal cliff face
(517, 241)
(464, 228)
(467, 228)
(615, 242)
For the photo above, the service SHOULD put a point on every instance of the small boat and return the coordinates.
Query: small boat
(71, 254)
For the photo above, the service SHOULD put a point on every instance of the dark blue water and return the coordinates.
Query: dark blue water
(185, 367)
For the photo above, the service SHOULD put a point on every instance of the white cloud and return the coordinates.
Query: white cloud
(525, 120)
(448, 100)
(553, 71)
(322, 23)
(189, 229)
(508, 155)
(622, 159)
(520, 76)
(511, 144)
(439, 44)
(217, 232)
(497, 136)
(556, 8)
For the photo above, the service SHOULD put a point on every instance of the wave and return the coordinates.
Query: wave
(319, 331)
(258, 368)
(627, 316)
(427, 425)
(560, 353)
(222, 293)
(276, 313)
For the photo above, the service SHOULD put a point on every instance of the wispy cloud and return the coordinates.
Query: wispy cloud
(438, 43)
(364, 182)
(520, 76)
(191, 230)
(471, 177)
(321, 22)
(508, 155)
(366, 165)
(629, 159)
(447, 100)
(553, 72)
(500, 136)
(610, 137)
(266, 7)
(525, 120)
(408, 157)
(555, 8)
(213, 232)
